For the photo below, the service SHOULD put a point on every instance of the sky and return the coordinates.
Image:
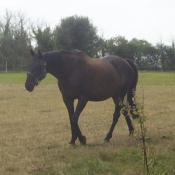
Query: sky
(152, 20)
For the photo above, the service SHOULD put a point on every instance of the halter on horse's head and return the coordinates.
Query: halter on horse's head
(36, 71)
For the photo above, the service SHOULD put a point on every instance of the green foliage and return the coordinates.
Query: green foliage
(44, 38)
(76, 33)
(118, 46)
(18, 35)
(14, 41)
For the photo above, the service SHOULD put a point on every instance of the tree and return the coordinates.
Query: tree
(161, 51)
(170, 51)
(173, 55)
(118, 46)
(101, 48)
(6, 40)
(14, 40)
(140, 51)
(76, 33)
(44, 38)
(166, 55)
(22, 40)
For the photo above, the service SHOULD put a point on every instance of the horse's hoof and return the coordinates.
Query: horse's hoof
(135, 116)
(71, 144)
(83, 141)
(131, 133)
(105, 141)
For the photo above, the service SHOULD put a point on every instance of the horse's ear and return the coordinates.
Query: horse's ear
(39, 53)
(32, 52)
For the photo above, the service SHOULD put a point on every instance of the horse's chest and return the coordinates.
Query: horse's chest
(69, 89)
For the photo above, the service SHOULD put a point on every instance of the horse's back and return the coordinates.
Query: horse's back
(116, 62)
(123, 69)
(97, 79)
(104, 77)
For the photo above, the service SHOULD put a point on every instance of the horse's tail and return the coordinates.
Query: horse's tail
(132, 89)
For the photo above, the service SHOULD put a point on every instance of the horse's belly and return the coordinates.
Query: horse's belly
(98, 98)
(100, 94)
(100, 89)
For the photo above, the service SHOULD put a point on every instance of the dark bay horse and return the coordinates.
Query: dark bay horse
(86, 79)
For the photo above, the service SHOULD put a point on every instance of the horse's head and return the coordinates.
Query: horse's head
(36, 71)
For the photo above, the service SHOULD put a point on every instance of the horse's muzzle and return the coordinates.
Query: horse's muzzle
(29, 87)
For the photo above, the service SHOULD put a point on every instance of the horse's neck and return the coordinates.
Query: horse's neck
(53, 63)
(57, 65)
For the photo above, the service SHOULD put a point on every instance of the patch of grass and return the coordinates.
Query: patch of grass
(85, 160)
(20, 78)
(145, 78)
(157, 78)
(35, 131)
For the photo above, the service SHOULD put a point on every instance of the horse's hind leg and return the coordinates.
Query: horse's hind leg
(116, 116)
(132, 103)
(119, 108)
(127, 118)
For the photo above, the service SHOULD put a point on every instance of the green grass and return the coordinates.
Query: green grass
(35, 131)
(157, 78)
(20, 78)
(145, 78)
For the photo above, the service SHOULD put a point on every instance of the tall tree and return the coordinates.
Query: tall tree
(161, 51)
(76, 33)
(44, 38)
(22, 40)
(14, 40)
(118, 46)
(6, 40)
(140, 50)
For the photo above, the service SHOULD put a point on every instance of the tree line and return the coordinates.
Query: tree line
(18, 35)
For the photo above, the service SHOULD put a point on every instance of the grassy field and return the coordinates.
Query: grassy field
(35, 131)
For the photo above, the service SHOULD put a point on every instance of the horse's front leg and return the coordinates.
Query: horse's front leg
(75, 128)
(74, 116)
(70, 107)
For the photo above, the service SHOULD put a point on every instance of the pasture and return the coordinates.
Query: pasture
(35, 131)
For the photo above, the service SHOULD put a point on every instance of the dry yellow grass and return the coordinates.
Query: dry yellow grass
(34, 127)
